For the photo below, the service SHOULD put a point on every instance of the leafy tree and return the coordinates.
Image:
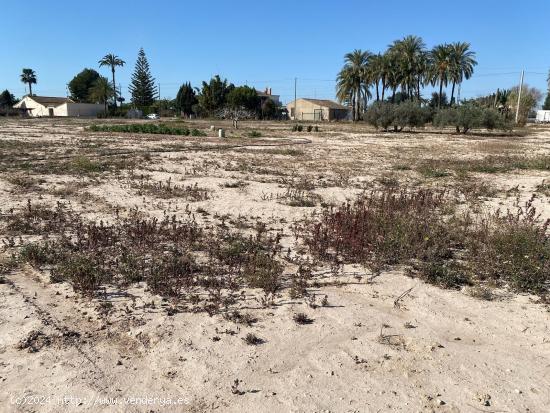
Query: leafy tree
(243, 97)
(436, 99)
(546, 105)
(28, 76)
(213, 94)
(399, 97)
(7, 100)
(101, 91)
(461, 64)
(112, 60)
(142, 86)
(80, 85)
(269, 110)
(185, 99)
(468, 116)
(410, 114)
(530, 97)
(406, 114)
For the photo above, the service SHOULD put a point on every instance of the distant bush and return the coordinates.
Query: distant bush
(407, 114)
(153, 128)
(254, 134)
(297, 128)
(380, 115)
(467, 117)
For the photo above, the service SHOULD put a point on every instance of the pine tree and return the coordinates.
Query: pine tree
(142, 87)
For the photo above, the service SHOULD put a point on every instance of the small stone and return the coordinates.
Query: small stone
(119, 363)
(440, 402)
(484, 399)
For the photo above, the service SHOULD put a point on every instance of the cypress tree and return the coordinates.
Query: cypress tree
(185, 99)
(142, 86)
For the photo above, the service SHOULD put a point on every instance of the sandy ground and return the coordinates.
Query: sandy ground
(437, 350)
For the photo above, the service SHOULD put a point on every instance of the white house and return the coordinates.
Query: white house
(543, 116)
(45, 106)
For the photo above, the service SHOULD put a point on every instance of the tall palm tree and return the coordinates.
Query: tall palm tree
(112, 60)
(385, 69)
(376, 74)
(101, 91)
(462, 62)
(440, 65)
(351, 82)
(28, 76)
(392, 71)
(410, 54)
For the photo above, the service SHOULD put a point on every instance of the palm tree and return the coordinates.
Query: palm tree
(352, 81)
(385, 72)
(392, 71)
(440, 65)
(410, 54)
(101, 91)
(462, 62)
(28, 76)
(377, 74)
(112, 60)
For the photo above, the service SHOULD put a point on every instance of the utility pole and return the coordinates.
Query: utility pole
(519, 95)
(295, 98)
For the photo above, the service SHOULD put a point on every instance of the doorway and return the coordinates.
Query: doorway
(317, 114)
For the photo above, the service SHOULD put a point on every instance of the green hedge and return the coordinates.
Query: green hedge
(153, 128)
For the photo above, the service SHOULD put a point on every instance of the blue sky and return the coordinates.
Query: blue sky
(263, 43)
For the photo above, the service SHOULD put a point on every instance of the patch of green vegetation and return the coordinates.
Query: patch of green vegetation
(254, 134)
(432, 171)
(401, 167)
(152, 128)
(489, 165)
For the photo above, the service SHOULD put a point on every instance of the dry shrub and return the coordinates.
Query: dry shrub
(387, 227)
(192, 193)
(173, 256)
(512, 248)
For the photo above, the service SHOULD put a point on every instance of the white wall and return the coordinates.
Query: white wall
(80, 109)
(66, 109)
(37, 109)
